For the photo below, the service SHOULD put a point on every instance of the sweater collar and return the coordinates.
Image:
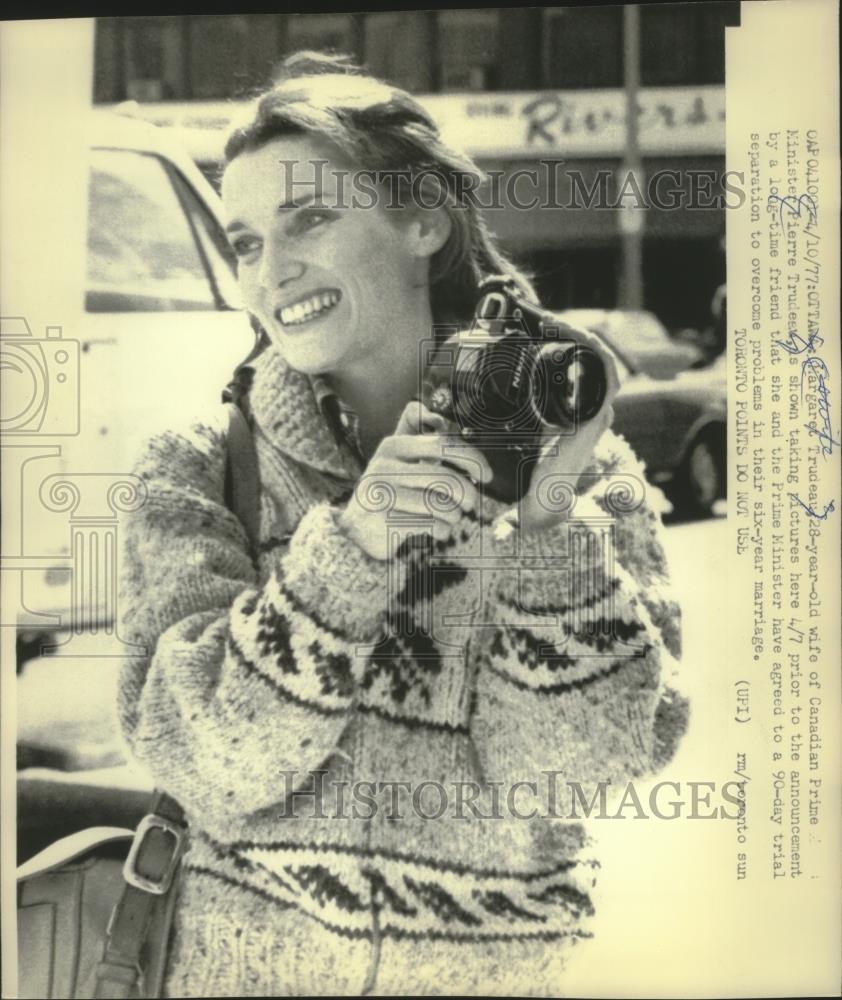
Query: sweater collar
(290, 410)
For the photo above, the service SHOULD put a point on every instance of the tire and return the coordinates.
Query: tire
(701, 479)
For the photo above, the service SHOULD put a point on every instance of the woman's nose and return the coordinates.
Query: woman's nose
(278, 267)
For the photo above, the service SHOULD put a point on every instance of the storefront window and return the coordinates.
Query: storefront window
(583, 47)
(108, 62)
(398, 48)
(321, 32)
(468, 43)
(713, 18)
(153, 55)
(669, 43)
(684, 43)
(560, 48)
(219, 56)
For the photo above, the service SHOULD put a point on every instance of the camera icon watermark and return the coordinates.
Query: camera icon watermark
(40, 381)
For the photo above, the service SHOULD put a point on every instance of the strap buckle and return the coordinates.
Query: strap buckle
(113, 979)
(161, 843)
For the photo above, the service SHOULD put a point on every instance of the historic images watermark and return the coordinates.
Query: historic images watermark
(41, 410)
(548, 184)
(547, 796)
(41, 379)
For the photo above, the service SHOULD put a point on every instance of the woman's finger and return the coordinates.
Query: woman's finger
(437, 503)
(416, 418)
(432, 448)
(390, 478)
(440, 531)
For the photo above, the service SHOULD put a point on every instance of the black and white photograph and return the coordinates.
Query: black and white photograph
(420, 456)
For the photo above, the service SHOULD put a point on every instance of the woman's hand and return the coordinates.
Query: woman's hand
(407, 476)
(564, 457)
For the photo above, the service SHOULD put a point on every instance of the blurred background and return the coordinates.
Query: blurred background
(495, 75)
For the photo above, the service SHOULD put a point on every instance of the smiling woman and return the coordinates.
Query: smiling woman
(339, 289)
(347, 718)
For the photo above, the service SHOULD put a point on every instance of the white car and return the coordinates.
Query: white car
(151, 339)
(163, 326)
(642, 337)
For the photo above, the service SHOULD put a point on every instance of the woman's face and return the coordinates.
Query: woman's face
(330, 282)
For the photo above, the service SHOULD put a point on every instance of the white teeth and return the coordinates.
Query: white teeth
(307, 309)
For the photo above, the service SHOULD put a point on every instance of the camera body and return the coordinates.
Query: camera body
(515, 379)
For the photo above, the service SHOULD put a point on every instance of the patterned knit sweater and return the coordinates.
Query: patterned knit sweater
(345, 734)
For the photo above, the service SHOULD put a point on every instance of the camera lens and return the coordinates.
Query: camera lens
(574, 384)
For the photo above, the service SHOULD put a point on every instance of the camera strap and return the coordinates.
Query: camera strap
(242, 480)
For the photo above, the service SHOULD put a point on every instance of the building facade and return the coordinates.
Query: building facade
(535, 94)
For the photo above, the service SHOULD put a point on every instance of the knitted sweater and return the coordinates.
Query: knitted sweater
(345, 734)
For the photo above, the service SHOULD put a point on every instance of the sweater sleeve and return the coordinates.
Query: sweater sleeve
(579, 672)
(235, 680)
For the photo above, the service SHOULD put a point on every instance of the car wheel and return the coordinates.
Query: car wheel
(700, 481)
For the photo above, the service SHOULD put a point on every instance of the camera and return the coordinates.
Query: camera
(515, 378)
(40, 381)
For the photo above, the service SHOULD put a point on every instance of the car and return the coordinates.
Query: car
(642, 337)
(152, 330)
(164, 324)
(161, 320)
(677, 426)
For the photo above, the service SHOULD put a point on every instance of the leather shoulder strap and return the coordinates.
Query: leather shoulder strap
(153, 859)
(242, 479)
(149, 874)
(154, 856)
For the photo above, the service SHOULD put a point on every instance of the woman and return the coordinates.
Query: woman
(345, 722)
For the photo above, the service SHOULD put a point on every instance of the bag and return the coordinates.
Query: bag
(95, 909)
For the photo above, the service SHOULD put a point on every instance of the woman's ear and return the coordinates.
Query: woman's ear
(430, 229)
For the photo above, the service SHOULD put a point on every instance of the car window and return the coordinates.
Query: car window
(219, 256)
(142, 255)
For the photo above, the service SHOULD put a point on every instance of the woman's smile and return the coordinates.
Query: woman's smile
(309, 307)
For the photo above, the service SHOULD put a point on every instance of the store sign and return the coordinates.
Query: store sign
(565, 124)
(670, 121)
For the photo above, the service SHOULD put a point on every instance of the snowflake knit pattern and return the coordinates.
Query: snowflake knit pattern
(299, 708)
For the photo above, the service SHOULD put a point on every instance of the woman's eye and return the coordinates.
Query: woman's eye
(244, 245)
(310, 218)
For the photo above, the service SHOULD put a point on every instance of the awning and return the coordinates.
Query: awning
(550, 204)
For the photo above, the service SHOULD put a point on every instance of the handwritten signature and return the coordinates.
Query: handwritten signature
(829, 508)
(794, 205)
(818, 369)
(796, 344)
